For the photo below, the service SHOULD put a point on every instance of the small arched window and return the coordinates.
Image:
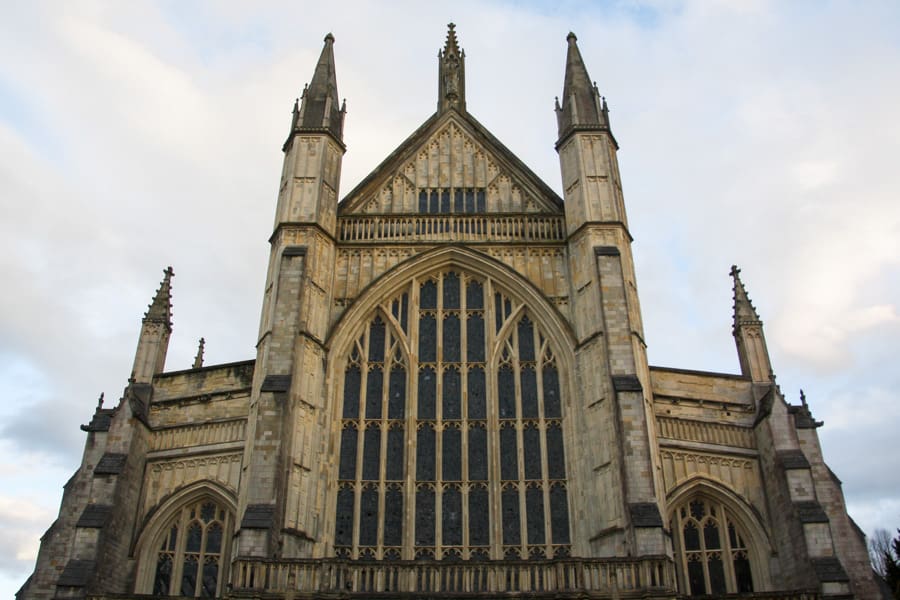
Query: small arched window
(713, 557)
(190, 555)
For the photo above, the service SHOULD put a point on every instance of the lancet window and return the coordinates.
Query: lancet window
(451, 444)
(713, 554)
(190, 560)
(452, 200)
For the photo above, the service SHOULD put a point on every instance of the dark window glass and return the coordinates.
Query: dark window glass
(445, 201)
(368, 518)
(371, 454)
(475, 386)
(214, 538)
(425, 454)
(457, 201)
(451, 290)
(534, 515)
(697, 509)
(451, 517)
(711, 535)
(394, 460)
(551, 393)
(559, 515)
(423, 201)
(528, 381)
(427, 393)
(194, 537)
(374, 385)
(511, 525)
(556, 456)
(526, 340)
(404, 310)
(347, 469)
(470, 201)
(208, 512)
(352, 378)
(716, 575)
(742, 574)
(189, 576)
(451, 455)
(498, 312)
(163, 577)
(451, 341)
(507, 392)
(427, 338)
(397, 393)
(695, 577)
(393, 518)
(433, 202)
(479, 528)
(478, 459)
(425, 517)
(475, 338)
(210, 578)
(691, 537)
(173, 536)
(474, 295)
(452, 400)
(376, 340)
(479, 204)
(508, 461)
(343, 529)
(428, 295)
(531, 438)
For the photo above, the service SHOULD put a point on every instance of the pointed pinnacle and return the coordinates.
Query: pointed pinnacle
(452, 45)
(319, 108)
(580, 98)
(744, 312)
(198, 360)
(160, 310)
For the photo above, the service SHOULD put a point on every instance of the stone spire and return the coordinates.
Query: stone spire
(744, 312)
(198, 360)
(451, 74)
(319, 109)
(582, 106)
(160, 310)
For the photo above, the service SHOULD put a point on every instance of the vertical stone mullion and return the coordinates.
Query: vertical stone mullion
(730, 578)
(464, 400)
(493, 423)
(680, 548)
(520, 441)
(439, 415)
(542, 428)
(360, 442)
(412, 383)
(387, 367)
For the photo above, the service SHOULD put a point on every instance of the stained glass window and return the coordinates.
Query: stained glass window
(419, 399)
(190, 557)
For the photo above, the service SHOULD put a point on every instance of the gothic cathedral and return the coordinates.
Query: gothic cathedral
(451, 398)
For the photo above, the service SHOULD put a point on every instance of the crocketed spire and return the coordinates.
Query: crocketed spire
(451, 74)
(744, 312)
(198, 360)
(160, 310)
(319, 108)
(581, 107)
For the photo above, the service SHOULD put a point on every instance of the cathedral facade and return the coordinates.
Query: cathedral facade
(451, 398)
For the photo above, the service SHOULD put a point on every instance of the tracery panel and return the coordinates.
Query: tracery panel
(451, 443)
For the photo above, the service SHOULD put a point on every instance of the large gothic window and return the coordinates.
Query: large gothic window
(190, 556)
(451, 444)
(712, 552)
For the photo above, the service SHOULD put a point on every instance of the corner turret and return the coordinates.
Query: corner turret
(451, 74)
(156, 327)
(748, 334)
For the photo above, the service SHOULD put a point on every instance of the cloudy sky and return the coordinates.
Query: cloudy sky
(143, 134)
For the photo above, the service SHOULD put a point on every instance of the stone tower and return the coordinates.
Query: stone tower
(451, 398)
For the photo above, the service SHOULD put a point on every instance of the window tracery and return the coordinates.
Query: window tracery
(713, 556)
(190, 557)
(451, 443)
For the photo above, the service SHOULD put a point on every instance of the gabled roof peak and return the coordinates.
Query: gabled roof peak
(451, 74)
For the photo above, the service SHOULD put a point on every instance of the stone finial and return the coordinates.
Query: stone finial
(320, 108)
(160, 310)
(451, 73)
(100, 401)
(198, 360)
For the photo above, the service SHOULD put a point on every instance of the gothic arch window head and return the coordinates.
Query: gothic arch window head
(189, 553)
(712, 552)
(451, 443)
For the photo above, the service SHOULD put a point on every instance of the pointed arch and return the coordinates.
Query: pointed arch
(190, 529)
(743, 548)
(481, 471)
